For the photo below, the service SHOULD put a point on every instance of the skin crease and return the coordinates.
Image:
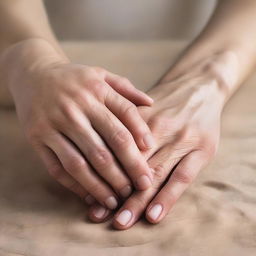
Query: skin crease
(56, 101)
(184, 119)
(71, 128)
(186, 114)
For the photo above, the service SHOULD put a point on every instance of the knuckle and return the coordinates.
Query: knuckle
(33, 134)
(96, 190)
(135, 164)
(160, 124)
(67, 109)
(55, 171)
(129, 110)
(99, 70)
(71, 115)
(139, 202)
(170, 196)
(182, 176)
(123, 80)
(35, 131)
(96, 84)
(121, 139)
(211, 150)
(159, 172)
(99, 89)
(101, 158)
(185, 134)
(209, 146)
(76, 165)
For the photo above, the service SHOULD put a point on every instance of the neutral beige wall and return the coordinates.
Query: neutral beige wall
(128, 19)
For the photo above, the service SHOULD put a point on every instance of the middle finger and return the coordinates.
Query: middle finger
(80, 131)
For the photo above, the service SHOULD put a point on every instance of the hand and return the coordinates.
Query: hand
(185, 121)
(72, 114)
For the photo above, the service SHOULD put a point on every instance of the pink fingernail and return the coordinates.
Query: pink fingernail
(126, 191)
(149, 141)
(124, 217)
(143, 182)
(99, 212)
(155, 211)
(150, 99)
(111, 202)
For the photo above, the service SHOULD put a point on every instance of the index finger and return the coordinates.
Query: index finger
(183, 175)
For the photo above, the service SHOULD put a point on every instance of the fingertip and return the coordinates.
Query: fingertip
(154, 213)
(149, 141)
(141, 98)
(126, 191)
(149, 99)
(146, 100)
(123, 220)
(144, 182)
(111, 202)
(98, 213)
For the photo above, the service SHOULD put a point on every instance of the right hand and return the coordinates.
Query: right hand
(75, 116)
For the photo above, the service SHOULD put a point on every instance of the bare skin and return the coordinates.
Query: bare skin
(186, 115)
(184, 119)
(74, 116)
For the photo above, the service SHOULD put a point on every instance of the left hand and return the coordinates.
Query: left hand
(185, 121)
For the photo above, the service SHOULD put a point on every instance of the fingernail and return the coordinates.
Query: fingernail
(99, 212)
(144, 182)
(145, 95)
(126, 191)
(149, 141)
(111, 202)
(89, 199)
(150, 99)
(124, 217)
(155, 211)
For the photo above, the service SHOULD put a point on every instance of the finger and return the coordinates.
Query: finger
(162, 162)
(76, 165)
(56, 170)
(98, 213)
(120, 140)
(181, 178)
(79, 130)
(124, 87)
(128, 114)
(90, 200)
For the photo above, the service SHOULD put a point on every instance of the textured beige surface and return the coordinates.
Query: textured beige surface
(216, 216)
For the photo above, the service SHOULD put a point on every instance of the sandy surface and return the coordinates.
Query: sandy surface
(215, 216)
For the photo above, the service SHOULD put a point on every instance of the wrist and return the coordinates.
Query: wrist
(221, 68)
(24, 57)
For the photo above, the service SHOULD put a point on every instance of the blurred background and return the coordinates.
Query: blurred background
(128, 19)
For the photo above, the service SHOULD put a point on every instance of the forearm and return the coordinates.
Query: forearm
(22, 21)
(230, 32)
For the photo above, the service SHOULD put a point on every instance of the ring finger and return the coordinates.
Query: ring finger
(75, 164)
